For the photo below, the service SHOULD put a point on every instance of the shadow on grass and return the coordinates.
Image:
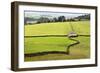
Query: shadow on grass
(45, 53)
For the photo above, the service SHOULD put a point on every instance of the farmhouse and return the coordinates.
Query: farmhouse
(31, 22)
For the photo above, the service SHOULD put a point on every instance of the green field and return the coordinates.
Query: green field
(57, 28)
(42, 44)
(33, 45)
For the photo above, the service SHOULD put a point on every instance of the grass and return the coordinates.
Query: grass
(42, 44)
(82, 28)
(58, 28)
(80, 51)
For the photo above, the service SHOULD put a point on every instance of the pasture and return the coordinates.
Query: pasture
(34, 44)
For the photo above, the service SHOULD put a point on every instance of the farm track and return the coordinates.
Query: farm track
(67, 52)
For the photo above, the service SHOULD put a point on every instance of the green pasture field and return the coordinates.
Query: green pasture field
(57, 28)
(80, 51)
(39, 44)
(42, 44)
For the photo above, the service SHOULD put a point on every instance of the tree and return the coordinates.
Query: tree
(61, 18)
(43, 20)
(55, 19)
(71, 19)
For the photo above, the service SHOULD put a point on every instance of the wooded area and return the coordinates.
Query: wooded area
(44, 19)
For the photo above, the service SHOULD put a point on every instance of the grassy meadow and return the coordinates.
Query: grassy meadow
(42, 44)
(57, 28)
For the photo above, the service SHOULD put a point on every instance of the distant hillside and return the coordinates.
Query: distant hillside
(83, 17)
(29, 19)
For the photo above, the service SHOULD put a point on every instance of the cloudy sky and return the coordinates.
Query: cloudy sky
(38, 14)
